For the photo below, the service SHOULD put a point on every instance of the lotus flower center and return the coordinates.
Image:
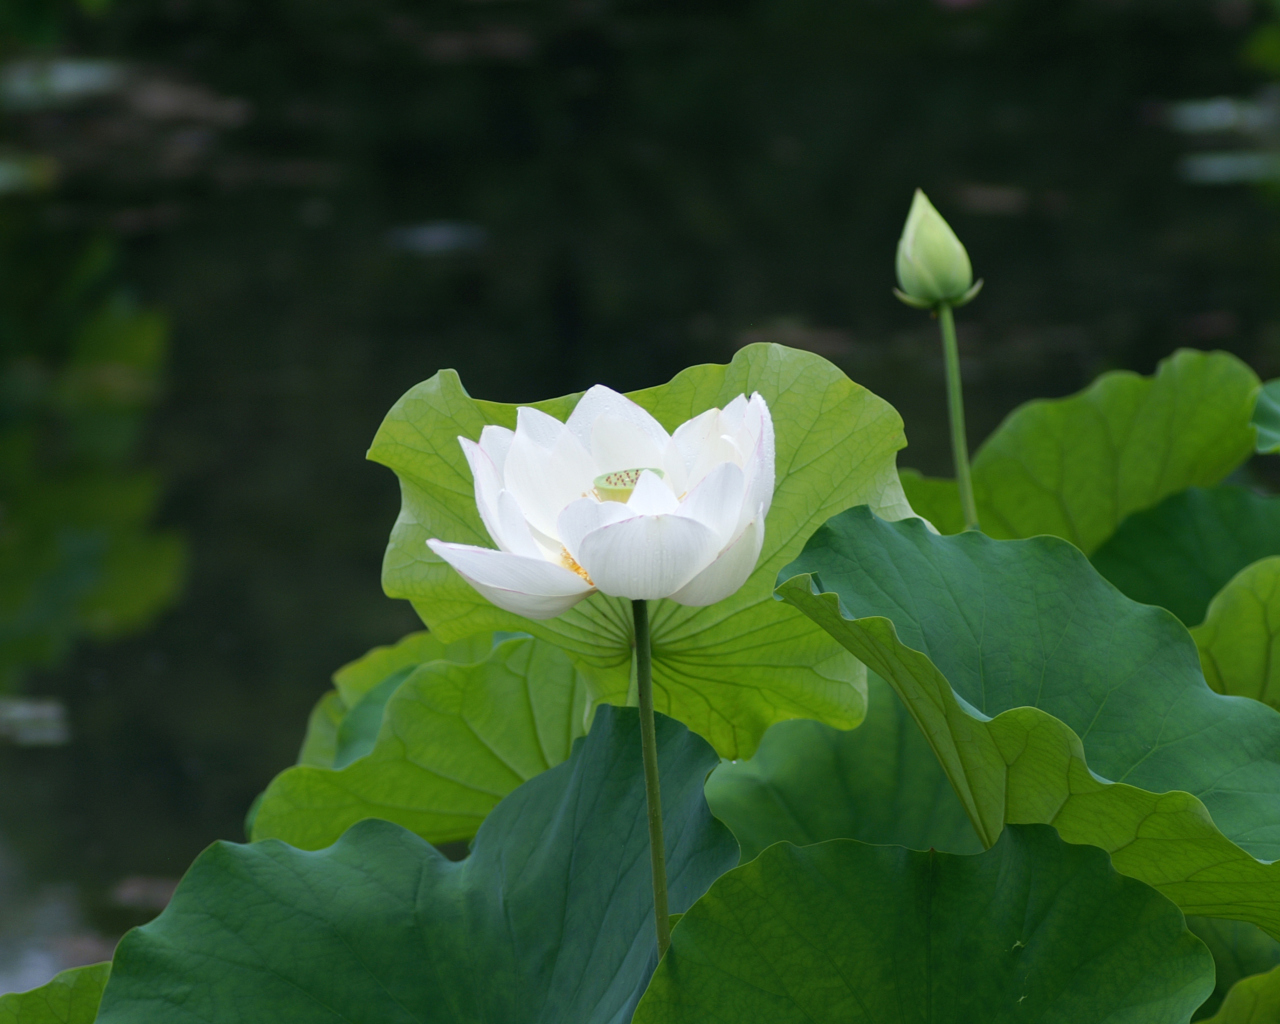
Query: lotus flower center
(619, 485)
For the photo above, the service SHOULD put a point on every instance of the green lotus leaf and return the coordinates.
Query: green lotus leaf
(452, 740)
(1241, 632)
(1076, 467)
(344, 723)
(878, 783)
(847, 933)
(1254, 1000)
(1184, 550)
(729, 670)
(934, 499)
(1266, 417)
(72, 997)
(549, 919)
(1239, 950)
(1050, 697)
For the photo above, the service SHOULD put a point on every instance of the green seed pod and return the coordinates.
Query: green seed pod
(932, 265)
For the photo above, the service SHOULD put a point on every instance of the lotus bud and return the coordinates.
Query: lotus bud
(933, 266)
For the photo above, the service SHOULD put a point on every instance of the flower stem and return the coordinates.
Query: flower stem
(955, 406)
(649, 748)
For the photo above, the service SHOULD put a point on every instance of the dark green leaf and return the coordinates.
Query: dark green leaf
(1184, 550)
(846, 933)
(550, 919)
(808, 782)
(1050, 697)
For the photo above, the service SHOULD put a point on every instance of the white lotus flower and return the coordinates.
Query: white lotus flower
(611, 502)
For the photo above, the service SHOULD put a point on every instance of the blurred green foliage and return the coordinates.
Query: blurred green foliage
(79, 370)
(39, 22)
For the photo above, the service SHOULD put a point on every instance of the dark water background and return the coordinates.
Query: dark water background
(333, 199)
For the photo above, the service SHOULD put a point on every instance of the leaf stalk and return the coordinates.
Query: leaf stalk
(955, 407)
(653, 795)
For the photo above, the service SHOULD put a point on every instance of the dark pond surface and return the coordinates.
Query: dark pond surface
(331, 200)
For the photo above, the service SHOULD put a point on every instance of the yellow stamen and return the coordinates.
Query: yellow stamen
(568, 561)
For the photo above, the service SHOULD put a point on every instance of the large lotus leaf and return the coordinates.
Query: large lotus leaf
(454, 739)
(1239, 950)
(72, 997)
(1241, 633)
(1019, 662)
(730, 670)
(878, 783)
(1254, 1000)
(1184, 550)
(1076, 467)
(549, 920)
(1266, 417)
(847, 933)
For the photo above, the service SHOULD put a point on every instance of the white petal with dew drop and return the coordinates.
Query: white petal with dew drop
(545, 480)
(652, 497)
(532, 587)
(647, 557)
(617, 443)
(731, 569)
(584, 516)
(602, 401)
(716, 502)
(488, 483)
(495, 442)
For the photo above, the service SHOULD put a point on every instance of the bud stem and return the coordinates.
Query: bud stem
(653, 795)
(955, 406)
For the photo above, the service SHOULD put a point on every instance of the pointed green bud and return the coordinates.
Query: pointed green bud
(932, 264)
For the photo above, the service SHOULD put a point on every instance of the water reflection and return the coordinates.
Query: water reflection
(42, 930)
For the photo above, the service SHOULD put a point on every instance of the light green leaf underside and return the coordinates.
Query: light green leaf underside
(730, 670)
(934, 499)
(320, 744)
(1241, 633)
(72, 997)
(548, 921)
(345, 721)
(847, 933)
(878, 783)
(1254, 1000)
(454, 739)
(1239, 950)
(1076, 467)
(1021, 632)
(1180, 553)
(1266, 417)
